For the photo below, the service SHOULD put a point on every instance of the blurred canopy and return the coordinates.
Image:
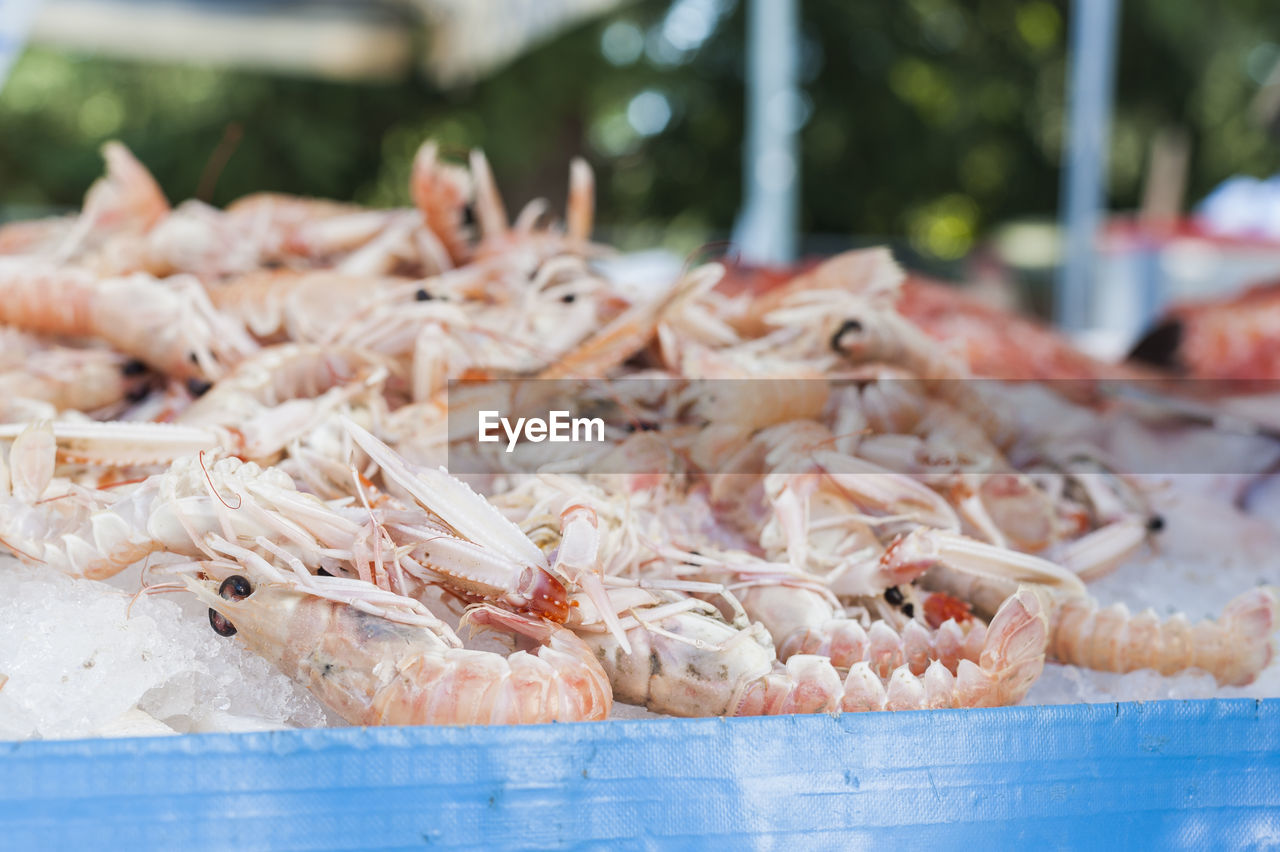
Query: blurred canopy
(929, 119)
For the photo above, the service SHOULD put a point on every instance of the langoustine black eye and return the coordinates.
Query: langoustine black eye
(849, 326)
(133, 367)
(234, 588)
(220, 624)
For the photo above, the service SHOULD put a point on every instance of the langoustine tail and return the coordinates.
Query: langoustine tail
(1012, 658)
(1233, 648)
(561, 681)
(846, 643)
(803, 684)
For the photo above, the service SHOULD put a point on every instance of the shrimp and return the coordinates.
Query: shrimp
(498, 235)
(199, 240)
(805, 621)
(845, 308)
(804, 617)
(1099, 552)
(734, 394)
(631, 331)
(275, 224)
(284, 212)
(464, 540)
(113, 444)
(687, 663)
(676, 642)
(983, 574)
(375, 242)
(35, 237)
(75, 379)
(913, 433)
(441, 193)
(305, 233)
(869, 271)
(1234, 648)
(490, 211)
(127, 195)
(168, 324)
(281, 394)
(820, 526)
(894, 423)
(287, 371)
(297, 305)
(805, 449)
(1012, 659)
(196, 509)
(119, 209)
(97, 534)
(373, 671)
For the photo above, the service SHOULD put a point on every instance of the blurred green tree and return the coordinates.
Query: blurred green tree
(924, 119)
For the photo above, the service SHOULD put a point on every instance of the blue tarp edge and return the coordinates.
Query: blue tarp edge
(1166, 774)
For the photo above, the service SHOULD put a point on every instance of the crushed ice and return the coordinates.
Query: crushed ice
(85, 659)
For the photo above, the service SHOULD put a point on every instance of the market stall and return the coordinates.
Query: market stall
(445, 522)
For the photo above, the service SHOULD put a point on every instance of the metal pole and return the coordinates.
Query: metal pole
(766, 229)
(1090, 93)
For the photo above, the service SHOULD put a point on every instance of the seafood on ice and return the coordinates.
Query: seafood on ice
(802, 499)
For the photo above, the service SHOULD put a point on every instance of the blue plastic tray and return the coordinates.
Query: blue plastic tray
(1162, 774)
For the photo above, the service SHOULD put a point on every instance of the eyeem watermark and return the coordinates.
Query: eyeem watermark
(654, 424)
(558, 428)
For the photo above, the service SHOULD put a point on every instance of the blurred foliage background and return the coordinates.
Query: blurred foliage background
(923, 120)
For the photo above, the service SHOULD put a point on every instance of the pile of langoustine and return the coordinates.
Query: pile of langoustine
(253, 403)
(993, 343)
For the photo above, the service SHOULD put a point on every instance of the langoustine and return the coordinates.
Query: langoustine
(853, 493)
(169, 324)
(375, 671)
(1234, 647)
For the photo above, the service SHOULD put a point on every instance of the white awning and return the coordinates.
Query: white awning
(452, 41)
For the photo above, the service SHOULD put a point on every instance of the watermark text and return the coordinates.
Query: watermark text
(558, 428)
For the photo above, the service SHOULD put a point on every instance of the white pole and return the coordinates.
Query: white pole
(1090, 92)
(765, 232)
